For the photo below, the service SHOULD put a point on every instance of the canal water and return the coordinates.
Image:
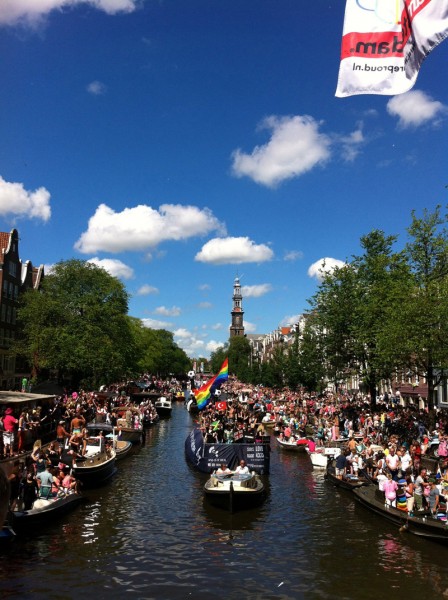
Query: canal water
(149, 534)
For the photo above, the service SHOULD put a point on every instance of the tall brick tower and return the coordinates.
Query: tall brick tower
(237, 326)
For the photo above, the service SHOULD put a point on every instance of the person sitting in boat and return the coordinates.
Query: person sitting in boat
(223, 470)
(242, 468)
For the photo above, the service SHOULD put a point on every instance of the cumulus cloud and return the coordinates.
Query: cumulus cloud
(174, 311)
(323, 266)
(212, 346)
(156, 324)
(295, 147)
(96, 88)
(217, 326)
(205, 305)
(255, 291)
(351, 144)
(16, 201)
(146, 290)
(415, 108)
(249, 327)
(142, 227)
(204, 287)
(114, 267)
(233, 250)
(32, 12)
(293, 255)
(290, 320)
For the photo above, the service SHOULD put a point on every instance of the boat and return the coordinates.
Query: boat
(122, 447)
(7, 536)
(206, 457)
(163, 406)
(97, 465)
(348, 482)
(130, 430)
(319, 458)
(179, 396)
(293, 445)
(234, 491)
(44, 511)
(422, 524)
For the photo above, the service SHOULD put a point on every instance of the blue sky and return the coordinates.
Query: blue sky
(182, 143)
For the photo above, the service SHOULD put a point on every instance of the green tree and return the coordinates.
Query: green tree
(417, 327)
(239, 357)
(77, 324)
(352, 307)
(311, 363)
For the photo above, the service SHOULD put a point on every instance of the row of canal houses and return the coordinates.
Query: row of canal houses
(15, 278)
(406, 388)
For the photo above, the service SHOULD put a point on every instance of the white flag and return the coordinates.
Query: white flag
(384, 42)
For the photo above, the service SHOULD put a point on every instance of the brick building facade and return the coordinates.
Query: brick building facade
(15, 278)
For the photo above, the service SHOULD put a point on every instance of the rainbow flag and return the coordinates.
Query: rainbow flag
(204, 392)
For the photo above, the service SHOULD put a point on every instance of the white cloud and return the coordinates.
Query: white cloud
(217, 326)
(146, 290)
(96, 88)
(17, 201)
(174, 311)
(233, 250)
(204, 287)
(48, 269)
(351, 144)
(155, 324)
(415, 108)
(295, 147)
(205, 305)
(290, 320)
(143, 227)
(114, 267)
(324, 265)
(182, 333)
(293, 255)
(212, 346)
(255, 291)
(32, 12)
(249, 327)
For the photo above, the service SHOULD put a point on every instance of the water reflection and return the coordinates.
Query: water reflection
(150, 533)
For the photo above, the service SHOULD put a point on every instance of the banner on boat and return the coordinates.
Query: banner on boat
(208, 457)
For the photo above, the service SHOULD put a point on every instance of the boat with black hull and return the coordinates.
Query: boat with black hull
(206, 457)
(44, 511)
(97, 466)
(164, 407)
(234, 491)
(347, 482)
(422, 524)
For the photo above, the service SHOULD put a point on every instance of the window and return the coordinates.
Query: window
(12, 268)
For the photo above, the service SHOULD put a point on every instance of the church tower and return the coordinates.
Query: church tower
(237, 327)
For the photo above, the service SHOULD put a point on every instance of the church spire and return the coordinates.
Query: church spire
(237, 327)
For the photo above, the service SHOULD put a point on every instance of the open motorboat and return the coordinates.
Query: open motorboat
(97, 465)
(234, 491)
(319, 457)
(348, 481)
(121, 446)
(422, 523)
(163, 406)
(293, 444)
(45, 510)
